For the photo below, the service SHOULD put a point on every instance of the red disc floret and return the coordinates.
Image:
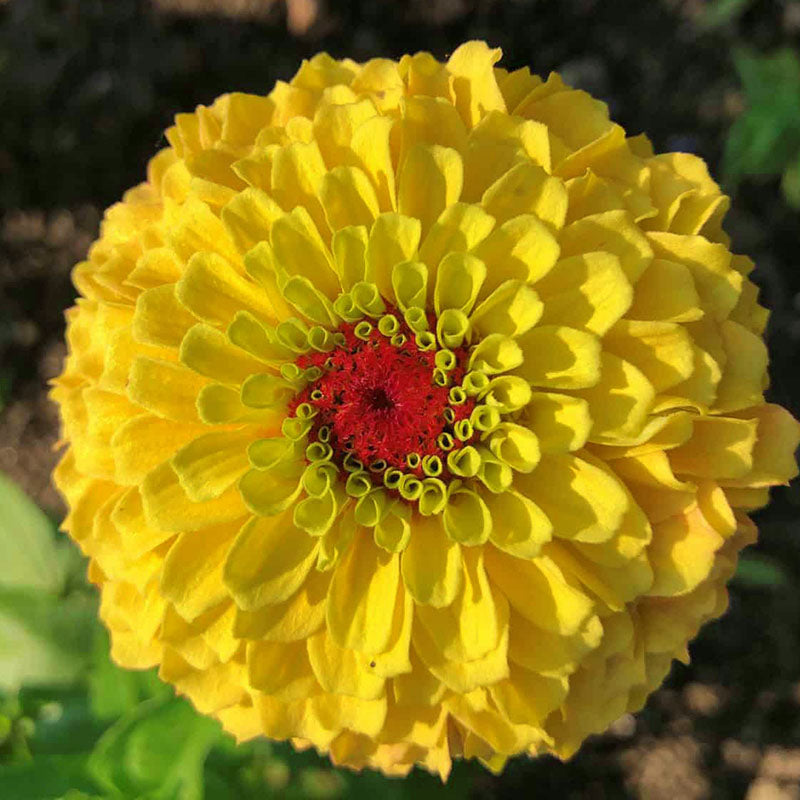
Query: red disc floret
(379, 401)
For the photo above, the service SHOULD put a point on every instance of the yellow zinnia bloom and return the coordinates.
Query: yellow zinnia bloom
(415, 412)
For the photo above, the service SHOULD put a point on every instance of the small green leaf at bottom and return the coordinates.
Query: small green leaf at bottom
(156, 751)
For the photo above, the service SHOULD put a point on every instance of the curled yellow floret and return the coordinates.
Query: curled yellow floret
(415, 412)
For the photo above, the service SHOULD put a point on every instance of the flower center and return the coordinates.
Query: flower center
(379, 400)
(382, 402)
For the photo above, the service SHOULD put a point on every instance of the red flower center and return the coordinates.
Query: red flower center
(378, 400)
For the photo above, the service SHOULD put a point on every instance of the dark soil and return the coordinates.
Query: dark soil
(86, 89)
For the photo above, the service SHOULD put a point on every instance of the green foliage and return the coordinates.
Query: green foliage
(759, 572)
(765, 139)
(155, 751)
(44, 636)
(28, 553)
(43, 639)
(721, 12)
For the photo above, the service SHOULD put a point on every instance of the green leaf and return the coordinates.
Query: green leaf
(28, 552)
(62, 720)
(721, 12)
(760, 572)
(46, 778)
(43, 639)
(791, 184)
(114, 691)
(155, 751)
(771, 80)
(766, 137)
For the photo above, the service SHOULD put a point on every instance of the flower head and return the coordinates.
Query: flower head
(414, 411)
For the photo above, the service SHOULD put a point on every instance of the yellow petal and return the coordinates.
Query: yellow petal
(459, 278)
(210, 464)
(512, 309)
(464, 676)
(393, 530)
(144, 441)
(466, 518)
(137, 537)
(584, 501)
(666, 292)
(342, 671)
(496, 144)
(559, 357)
(167, 390)
(619, 402)
(717, 284)
(268, 562)
(334, 126)
(720, 447)
(349, 248)
(270, 491)
(410, 284)
(542, 651)
(744, 376)
(370, 144)
(281, 669)
(195, 228)
(459, 229)
(396, 659)
(299, 250)
(218, 404)
(337, 712)
(167, 506)
(663, 351)
(474, 82)
(521, 248)
(348, 198)
(431, 564)
(589, 292)
(301, 293)
(538, 591)
(432, 120)
(561, 422)
(527, 189)
(213, 291)
(430, 179)
(612, 232)
(424, 75)
(713, 504)
(527, 698)
(777, 437)
(248, 217)
(120, 353)
(519, 526)
(468, 629)
(209, 352)
(297, 173)
(418, 687)
(495, 353)
(614, 586)
(362, 594)
(160, 319)
(297, 618)
(155, 267)
(393, 239)
(515, 445)
(192, 574)
(682, 553)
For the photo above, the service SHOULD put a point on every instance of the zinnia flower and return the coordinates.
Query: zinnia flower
(415, 412)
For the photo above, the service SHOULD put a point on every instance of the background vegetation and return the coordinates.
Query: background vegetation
(86, 87)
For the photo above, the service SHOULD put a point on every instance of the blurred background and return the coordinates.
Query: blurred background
(86, 89)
